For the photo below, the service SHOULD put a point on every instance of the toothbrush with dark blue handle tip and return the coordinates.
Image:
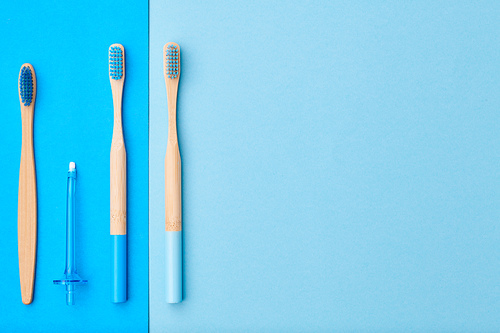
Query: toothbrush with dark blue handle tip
(118, 178)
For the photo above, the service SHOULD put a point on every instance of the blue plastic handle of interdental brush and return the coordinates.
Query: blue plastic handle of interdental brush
(71, 277)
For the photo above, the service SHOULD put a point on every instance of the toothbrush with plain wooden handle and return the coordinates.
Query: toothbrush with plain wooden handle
(118, 178)
(173, 206)
(27, 203)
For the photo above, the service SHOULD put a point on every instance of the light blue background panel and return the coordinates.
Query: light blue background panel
(67, 43)
(340, 165)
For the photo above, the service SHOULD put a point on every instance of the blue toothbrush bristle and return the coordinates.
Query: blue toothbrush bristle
(115, 63)
(26, 86)
(172, 61)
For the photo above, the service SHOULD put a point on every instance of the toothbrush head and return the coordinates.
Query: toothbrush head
(27, 85)
(116, 62)
(172, 64)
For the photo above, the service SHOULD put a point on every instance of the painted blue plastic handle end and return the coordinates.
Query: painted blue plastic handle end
(119, 268)
(173, 241)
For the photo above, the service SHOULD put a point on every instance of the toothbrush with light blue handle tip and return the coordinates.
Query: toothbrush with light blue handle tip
(118, 178)
(173, 206)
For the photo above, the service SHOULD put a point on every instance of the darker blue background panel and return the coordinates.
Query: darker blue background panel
(67, 43)
(340, 165)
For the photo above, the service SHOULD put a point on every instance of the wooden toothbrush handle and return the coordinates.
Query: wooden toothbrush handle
(118, 187)
(173, 204)
(27, 211)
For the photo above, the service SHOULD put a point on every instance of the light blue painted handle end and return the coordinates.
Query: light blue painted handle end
(173, 241)
(119, 268)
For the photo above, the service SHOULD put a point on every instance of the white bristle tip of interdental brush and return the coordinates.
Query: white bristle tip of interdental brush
(72, 166)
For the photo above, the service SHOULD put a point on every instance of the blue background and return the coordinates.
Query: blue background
(67, 43)
(340, 165)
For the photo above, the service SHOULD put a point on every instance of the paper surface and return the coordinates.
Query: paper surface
(340, 165)
(67, 43)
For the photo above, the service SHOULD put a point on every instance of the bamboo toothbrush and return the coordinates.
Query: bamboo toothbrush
(173, 206)
(118, 177)
(27, 204)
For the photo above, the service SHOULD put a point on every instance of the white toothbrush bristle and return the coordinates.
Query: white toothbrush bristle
(72, 166)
